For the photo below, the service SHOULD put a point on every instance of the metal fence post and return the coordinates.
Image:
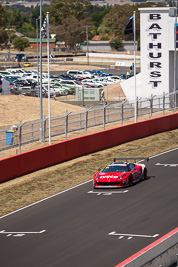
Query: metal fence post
(66, 124)
(151, 105)
(20, 135)
(163, 102)
(44, 130)
(175, 102)
(131, 110)
(86, 120)
(94, 117)
(137, 110)
(104, 115)
(80, 121)
(83, 97)
(32, 131)
(122, 113)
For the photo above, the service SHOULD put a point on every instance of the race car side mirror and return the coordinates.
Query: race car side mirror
(99, 170)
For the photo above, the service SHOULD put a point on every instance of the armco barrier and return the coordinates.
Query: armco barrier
(162, 252)
(33, 160)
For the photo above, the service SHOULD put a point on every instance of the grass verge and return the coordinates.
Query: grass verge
(30, 188)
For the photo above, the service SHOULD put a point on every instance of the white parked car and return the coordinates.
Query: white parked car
(80, 73)
(104, 82)
(115, 78)
(92, 83)
(71, 83)
(56, 90)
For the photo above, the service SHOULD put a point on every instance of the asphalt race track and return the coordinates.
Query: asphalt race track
(93, 228)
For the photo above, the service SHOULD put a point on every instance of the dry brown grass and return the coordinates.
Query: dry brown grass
(14, 108)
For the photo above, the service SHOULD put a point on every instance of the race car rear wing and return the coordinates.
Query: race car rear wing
(134, 159)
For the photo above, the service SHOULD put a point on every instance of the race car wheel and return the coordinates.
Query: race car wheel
(130, 180)
(145, 173)
(94, 185)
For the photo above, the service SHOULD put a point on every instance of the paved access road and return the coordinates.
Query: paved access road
(93, 228)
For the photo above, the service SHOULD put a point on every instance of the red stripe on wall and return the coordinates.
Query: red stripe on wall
(139, 253)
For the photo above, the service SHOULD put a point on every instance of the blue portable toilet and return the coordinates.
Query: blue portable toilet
(9, 137)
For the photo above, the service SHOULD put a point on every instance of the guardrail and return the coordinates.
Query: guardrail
(162, 252)
(28, 132)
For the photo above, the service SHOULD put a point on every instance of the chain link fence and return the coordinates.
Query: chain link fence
(28, 132)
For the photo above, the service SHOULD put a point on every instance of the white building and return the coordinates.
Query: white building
(157, 54)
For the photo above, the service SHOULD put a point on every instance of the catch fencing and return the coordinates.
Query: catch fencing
(28, 132)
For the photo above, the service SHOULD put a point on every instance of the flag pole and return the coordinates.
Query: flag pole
(135, 67)
(41, 109)
(175, 60)
(37, 57)
(49, 106)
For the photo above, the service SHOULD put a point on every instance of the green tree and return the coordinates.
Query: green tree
(15, 18)
(3, 37)
(21, 43)
(69, 19)
(28, 30)
(97, 14)
(71, 31)
(115, 21)
(4, 16)
(3, 23)
(63, 9)
(116, 43)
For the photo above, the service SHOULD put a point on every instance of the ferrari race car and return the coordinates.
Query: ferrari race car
(120, 173)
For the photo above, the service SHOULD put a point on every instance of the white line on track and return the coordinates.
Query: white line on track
(132, 235)
(107, 193)
(72, 188)
(4, 232)
(19, 234)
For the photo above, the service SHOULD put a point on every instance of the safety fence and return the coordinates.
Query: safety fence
(28, 132)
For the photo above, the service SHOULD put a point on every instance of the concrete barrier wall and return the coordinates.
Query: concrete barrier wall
(37, 159)
(160, 253)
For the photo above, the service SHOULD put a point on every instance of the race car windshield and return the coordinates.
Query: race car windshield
(116, 169)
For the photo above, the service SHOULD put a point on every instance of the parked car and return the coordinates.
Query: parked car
(32, 82)
(71, 83)
(28, 64)
(92, 83)
(20, 57)
(124, 76)
(80, 73)
(21, 82)
(103, 81)
(26, 90)
(56, 89)
(65, 76)
(12, 77)
(71, 90)
(102, 73)
(115, 78)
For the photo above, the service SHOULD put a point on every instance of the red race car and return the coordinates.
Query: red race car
(120, 173)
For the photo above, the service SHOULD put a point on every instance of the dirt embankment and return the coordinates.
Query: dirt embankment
(16, 108)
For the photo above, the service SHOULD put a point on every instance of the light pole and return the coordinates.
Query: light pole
(87, 44)
(175, 59)
(37, 57)
(41, 108)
